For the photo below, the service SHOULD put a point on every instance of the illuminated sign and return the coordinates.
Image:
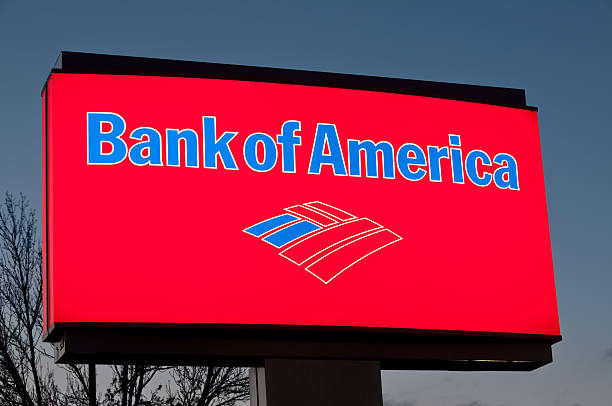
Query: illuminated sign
(211, 201)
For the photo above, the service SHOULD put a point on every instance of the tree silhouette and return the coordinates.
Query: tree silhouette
(208, 386)
(23, 380)
(128, 385)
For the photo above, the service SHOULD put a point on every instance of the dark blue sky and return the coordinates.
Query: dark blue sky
(559, 51)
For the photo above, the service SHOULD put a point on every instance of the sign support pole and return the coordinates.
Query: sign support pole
(92, 385)
(284, 382)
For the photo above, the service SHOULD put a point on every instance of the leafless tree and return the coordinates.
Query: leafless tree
(23, 380)
(26, 376)
(77, 391)
(128, 386)
(208, 386)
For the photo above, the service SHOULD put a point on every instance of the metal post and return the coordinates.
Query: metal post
(282, 382)
(92, 385)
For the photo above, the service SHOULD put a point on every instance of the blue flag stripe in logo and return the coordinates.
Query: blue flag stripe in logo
(270, 224)
(290, 233)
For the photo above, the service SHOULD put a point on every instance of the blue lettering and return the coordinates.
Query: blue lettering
(371, 158)
(173, 154)
(471, 167)
(250, 152)
(105, 146)
(454, 140)
(326, 135)
(405, 160)
(506, 177)
(288, 140)
(456, 160)
(96, 138)
(152, 146)
(214, 146)
(435, 154)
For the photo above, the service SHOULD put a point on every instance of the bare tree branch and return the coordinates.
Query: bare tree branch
(21, 299)
(208, 386)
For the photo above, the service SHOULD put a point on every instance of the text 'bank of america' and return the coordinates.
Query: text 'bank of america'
(106, 146)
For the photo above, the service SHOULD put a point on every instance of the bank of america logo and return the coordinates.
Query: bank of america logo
(323, 239)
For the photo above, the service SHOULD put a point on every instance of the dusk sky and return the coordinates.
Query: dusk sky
(560, 52)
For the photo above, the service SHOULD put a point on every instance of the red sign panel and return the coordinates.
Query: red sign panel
(209, 201)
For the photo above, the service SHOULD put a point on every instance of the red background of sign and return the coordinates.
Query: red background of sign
(165, 244)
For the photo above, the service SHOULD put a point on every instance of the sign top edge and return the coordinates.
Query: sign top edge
(80, 62)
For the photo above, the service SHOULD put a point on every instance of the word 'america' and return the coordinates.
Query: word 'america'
(106, 130)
